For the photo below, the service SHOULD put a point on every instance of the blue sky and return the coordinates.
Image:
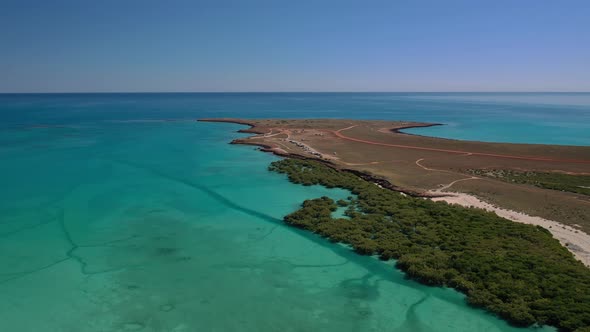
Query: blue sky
(371, 45)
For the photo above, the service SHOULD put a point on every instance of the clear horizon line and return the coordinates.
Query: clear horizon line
(270, 91)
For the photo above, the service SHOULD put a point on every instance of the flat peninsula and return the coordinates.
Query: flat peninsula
(491, 176)
(504, 260)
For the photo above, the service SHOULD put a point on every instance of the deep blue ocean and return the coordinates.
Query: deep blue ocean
(113, 218)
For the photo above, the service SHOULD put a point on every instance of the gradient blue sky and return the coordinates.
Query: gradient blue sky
(371, 45)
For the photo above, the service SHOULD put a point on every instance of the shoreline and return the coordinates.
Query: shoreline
(576, 241)
(384, 183)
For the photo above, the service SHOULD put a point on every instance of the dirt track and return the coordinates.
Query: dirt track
(424, 165)
(339, 134)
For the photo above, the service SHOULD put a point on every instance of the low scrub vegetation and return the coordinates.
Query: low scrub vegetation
(517, 271)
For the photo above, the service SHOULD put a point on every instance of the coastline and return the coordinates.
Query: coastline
(384, 183)
(576, 241)
(401, 131)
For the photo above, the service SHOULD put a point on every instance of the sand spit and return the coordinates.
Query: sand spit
(575, 240)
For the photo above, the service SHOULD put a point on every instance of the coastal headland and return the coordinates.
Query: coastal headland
(499, 177)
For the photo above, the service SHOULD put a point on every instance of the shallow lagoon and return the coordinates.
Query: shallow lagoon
(163, 226)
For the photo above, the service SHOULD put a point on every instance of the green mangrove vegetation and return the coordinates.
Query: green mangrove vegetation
(579, 184)
(517, 271)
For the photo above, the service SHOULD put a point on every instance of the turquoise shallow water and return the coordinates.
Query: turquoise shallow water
(110, 221)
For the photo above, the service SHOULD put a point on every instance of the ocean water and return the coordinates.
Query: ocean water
(543, 118)
(114, 218)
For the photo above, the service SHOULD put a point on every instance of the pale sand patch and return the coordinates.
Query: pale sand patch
(575, 240)
(279, 151)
